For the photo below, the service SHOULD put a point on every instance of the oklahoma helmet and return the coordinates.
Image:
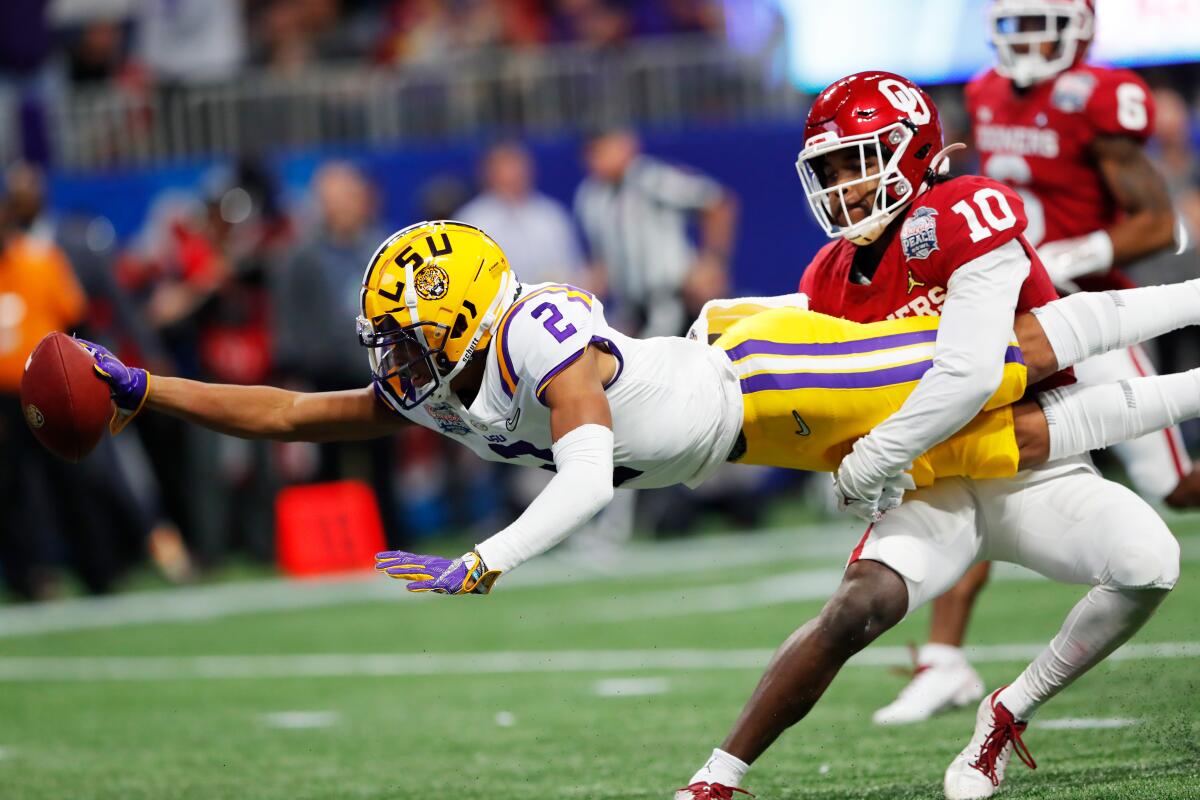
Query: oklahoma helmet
(1020, 29)
(890, 127)
(430, 296)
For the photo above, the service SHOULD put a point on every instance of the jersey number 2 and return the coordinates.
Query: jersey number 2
(551, 324)
(1000, 218)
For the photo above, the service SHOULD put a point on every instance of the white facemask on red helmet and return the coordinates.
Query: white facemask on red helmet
(1020, 28)
(891, 128)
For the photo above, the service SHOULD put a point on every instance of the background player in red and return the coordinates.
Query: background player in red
(1068, 137)
(913, 242)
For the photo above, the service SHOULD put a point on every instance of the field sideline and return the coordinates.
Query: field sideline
(604, 678)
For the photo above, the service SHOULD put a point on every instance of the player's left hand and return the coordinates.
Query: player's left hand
(464, 575)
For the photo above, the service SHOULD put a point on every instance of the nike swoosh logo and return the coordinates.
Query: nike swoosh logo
(511, 423)
(801, 424)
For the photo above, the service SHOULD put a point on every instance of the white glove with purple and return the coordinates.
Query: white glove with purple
(464, 575)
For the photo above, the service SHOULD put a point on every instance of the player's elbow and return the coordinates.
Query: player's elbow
(975, 382)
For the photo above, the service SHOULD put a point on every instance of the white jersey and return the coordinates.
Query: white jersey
(676, 404)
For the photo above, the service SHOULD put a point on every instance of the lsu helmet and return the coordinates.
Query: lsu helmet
(431, 295)
(1019, 28)
(877, 115)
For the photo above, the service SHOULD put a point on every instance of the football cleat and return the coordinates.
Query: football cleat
(934, 688)
(702, 790)
(978, 770)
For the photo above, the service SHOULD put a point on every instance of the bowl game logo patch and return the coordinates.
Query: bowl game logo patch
(34, 416)
(918, 236)
(431, 282)
(447, 419)
(1072, 91)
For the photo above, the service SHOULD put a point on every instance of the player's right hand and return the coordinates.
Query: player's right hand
(127, 385)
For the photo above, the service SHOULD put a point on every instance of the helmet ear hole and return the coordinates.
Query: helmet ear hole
(460, 327)
(923, 153)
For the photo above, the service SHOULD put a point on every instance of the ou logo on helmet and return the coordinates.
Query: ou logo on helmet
(906, 99)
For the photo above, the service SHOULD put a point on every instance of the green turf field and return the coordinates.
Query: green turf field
(616, 685)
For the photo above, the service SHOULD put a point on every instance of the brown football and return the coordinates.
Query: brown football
(66, 405)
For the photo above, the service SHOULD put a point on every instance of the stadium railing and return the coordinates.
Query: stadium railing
(662, 82)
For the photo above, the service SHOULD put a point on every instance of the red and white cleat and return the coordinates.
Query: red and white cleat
(709, 791)
(979, 769)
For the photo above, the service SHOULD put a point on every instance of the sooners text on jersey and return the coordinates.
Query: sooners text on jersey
(1039, 142)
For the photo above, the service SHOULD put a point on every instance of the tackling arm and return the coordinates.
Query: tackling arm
(968, 362)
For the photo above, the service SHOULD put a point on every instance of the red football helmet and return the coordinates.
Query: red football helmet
(1019, 28)
(879, 116)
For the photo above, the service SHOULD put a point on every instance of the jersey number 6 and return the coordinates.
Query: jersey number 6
(551, 324)
(1000, 218)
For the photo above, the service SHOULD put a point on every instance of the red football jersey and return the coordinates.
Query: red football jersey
(1039, 142)
(947, 226)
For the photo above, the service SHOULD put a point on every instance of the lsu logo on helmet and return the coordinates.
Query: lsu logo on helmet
(430, 296)
(432, 282)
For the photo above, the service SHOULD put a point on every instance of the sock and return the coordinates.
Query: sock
(722, 768)
(1098, 624)
(1083, 418)
(934, 654)
(1089, 323)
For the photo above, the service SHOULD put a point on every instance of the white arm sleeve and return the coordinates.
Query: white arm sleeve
(968, 361)
(583, 459)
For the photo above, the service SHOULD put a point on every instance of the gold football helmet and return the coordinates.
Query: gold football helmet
(431, 295)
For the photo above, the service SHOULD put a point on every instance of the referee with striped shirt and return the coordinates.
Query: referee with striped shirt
(635, 211)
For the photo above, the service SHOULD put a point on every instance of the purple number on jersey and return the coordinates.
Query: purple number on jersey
(551, 324)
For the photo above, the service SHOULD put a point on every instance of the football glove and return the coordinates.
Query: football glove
(466, 574)
(869, 498)
(128, 386)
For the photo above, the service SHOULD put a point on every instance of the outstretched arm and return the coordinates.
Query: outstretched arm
(581, 424)
(265, 412)
(251, 412)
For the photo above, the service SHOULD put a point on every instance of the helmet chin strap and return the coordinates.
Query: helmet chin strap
(494, 311)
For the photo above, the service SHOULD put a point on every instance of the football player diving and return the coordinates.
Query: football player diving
(533, 375)
(1069, 137)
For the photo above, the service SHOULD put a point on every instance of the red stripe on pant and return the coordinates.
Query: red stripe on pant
(1174, 446)
(857, 553)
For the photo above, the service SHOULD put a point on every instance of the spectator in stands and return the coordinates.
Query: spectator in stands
(635, 211)
(191, 42)
(535, 231)
(314, 299)
(39, 294)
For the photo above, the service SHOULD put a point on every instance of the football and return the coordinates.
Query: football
(65, 403)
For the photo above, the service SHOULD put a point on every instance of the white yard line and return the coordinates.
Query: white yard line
(219, 601)
(153, 668)
(831, 542)
(1085, 723)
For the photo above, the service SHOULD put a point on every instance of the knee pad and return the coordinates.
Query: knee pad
(1147, 561)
